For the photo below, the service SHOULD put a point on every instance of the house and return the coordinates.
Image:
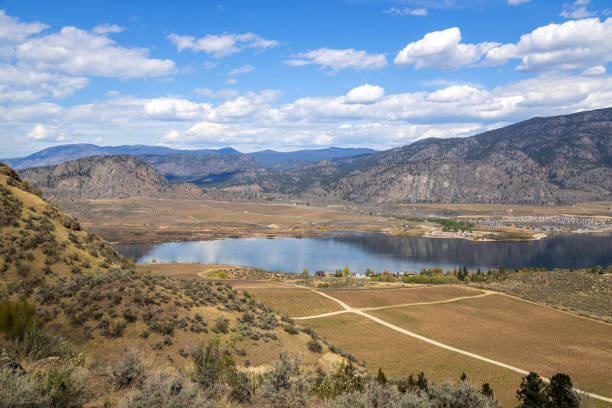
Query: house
(319, 274)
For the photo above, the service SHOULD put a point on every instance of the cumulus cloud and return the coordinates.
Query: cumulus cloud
(221, 45)
(405, 11)
(40, 132)
(577, 10)
(338, 60)
(14, 31)
(442, 50)
(365, 94)
(572, 46)
(107, 28)
(255, 120)
(245, 69)
(74, 51)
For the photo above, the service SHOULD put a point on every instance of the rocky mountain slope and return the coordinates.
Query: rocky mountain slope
(106, 177)
(547, 161)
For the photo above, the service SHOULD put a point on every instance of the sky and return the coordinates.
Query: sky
(292, 74)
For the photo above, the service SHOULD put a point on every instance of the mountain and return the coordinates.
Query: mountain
(60, 154)
(203, 169)
(552, 160)
(105, 177)
(272, 158)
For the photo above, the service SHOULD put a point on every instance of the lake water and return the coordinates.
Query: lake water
(380, 252)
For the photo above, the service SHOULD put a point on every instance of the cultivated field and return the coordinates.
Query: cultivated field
(518, 333)
(295, 302)
(582, 293)
(401, 355)
(361, 298)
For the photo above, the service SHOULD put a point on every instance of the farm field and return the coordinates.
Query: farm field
(294, 302)
(518, 333)
(401, 355)
(582, 293)
(361, 298)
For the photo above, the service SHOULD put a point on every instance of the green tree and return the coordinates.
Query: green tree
(346, 271)
(531, 393)
(561, 392)
(381, 378)
(486, 390)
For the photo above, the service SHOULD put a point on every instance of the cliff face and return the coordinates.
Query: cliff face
(106, 177)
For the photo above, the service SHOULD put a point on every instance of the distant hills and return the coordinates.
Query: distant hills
(561, 159)
(267, 158)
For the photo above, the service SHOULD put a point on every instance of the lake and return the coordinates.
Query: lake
(379, 252)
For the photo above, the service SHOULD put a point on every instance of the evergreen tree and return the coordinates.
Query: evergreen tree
(532, 392)
(381, 378)
(486, 390)
(561, 393)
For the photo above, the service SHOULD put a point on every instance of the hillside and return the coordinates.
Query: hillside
(288, 160)
(539, 161)
(548, 161)
(89, 300)
(105, 177)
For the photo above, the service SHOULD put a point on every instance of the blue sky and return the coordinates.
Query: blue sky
(289, 74)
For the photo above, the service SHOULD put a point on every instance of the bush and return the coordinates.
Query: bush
(16, 318)
(314, 346)
(222, 325)
(20, 391)
(165, 391)
(130, 372)
(287, 385)
(62, 389)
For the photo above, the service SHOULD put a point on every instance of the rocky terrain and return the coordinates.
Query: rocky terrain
(106, 177)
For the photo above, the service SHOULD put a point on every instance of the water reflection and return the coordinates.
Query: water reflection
(380, 252)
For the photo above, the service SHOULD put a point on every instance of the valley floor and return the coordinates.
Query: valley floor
(442, 330)
(161, 220)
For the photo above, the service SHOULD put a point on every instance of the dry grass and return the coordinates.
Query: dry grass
(295, 302)
(400, 355)
(154, 220)
(518, 333)
(388, 297)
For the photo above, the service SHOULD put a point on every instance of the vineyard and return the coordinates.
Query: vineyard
(388, 297)
(400, 355)
(295, 302)
(518, 333)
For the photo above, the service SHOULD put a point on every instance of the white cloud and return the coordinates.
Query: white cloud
(442, 50)
(222, 93)
(13, 31)
(221, 45)
(517, 2)
(597, 70)
(40, 132)
(73, 51)
(571, 46)
(405, 11)
(107, 28)
(338, 60)
(245, 69)
(231, 81)
(577, 10)
(365, 94)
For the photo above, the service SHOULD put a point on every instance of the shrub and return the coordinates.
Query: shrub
(16, 318)
(314, 346)
(130, 372)
(290, 329)
(222, 325)
(20, 391)
(344, 379)
(287, 385)
(62, 389)
(165, 391)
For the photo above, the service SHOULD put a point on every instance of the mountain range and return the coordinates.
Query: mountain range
(561, 159)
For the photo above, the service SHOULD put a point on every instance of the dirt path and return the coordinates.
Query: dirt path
(360, 312)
